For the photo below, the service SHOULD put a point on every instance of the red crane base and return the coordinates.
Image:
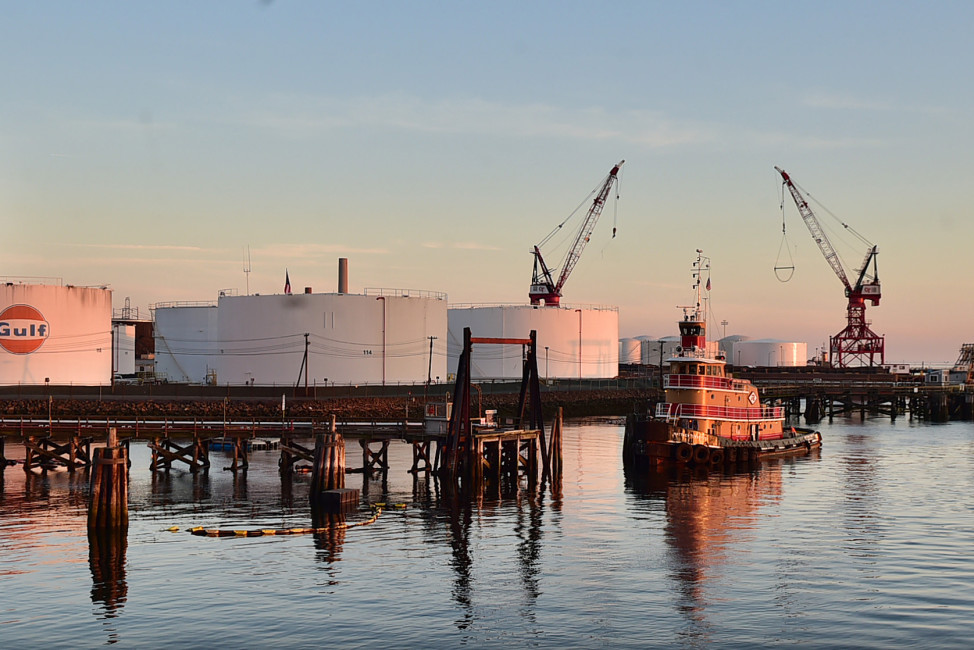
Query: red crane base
(857, 345)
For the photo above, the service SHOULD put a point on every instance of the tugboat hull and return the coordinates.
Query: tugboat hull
(650, 442)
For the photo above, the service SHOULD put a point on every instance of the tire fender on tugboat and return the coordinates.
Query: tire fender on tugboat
(683, 452)
(701, 454)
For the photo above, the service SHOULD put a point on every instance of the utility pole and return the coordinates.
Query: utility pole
(306, 335)
(429, 372)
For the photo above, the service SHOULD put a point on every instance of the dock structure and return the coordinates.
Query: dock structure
(816, 399)
(52, 443)
(449, 443)
(472, 453)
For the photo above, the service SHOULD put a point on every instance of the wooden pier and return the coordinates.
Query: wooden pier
(817, 399)
(471, 451)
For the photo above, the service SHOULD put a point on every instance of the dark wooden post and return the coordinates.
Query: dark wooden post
(554, 449)
(108, 494)
(286, 461)
(28, 455)
(240, 460)
(328, 473)
(494, 454)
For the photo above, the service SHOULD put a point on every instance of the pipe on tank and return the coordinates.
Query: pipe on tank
(342, 275)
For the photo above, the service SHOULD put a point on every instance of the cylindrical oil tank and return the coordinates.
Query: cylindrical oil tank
(770, 353)
(54, 334)
(728, 346)
(186, 342)
(382, 337)
(629, 351)
(573, 341)
(123, 349)
(655, 352)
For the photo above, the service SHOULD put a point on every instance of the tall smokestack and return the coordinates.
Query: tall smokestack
(342, 275)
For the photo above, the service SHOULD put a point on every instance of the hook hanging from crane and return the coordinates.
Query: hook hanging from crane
(784, 269)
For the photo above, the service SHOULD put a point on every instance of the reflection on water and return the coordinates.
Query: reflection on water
(866, 544)
(329, 542)
(106, 558)
(710, 516)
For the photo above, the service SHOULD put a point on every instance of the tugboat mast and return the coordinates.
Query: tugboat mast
(693, 328)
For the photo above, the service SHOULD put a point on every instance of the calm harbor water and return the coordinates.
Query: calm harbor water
(866, 544)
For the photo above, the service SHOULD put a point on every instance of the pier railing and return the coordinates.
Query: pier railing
(127, 428)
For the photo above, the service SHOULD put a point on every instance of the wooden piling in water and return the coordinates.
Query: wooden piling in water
(108, 493)
(3, 459)
(328, 492)
(328, 467)
(554, 449)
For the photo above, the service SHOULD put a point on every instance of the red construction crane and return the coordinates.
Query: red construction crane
(856, 345)
(543, 287)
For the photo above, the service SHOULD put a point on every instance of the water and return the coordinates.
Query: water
(867, 545)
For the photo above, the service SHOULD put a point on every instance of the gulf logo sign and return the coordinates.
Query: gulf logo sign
(22, 329)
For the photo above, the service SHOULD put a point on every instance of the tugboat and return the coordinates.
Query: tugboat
(709, 419)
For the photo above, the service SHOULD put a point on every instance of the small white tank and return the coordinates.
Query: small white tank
(630, 351)
(770, 353)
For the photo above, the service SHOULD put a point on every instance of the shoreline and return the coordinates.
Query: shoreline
(575, 403)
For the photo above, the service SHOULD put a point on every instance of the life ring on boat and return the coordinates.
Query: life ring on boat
(682, 452)
(701, 454)
(717, 457)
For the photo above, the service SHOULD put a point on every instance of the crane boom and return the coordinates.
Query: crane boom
(543, 287)
(815, 228)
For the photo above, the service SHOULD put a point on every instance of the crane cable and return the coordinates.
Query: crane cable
(615, 212)
(784, 270)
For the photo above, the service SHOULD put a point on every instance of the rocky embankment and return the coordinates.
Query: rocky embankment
(574, 403)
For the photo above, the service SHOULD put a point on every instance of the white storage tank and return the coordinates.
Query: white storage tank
(186, 342)
(728, 346)
(573, 341)
(54, 334)
(770, 353)
(123, 349)
(630, 351)
(381, 337)
(655, 352)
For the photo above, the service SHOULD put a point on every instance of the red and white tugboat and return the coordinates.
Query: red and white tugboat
(709, 418)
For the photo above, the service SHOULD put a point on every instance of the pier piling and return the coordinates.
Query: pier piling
(108, 494)
(328, 473)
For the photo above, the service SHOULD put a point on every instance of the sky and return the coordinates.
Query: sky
(150, 146)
